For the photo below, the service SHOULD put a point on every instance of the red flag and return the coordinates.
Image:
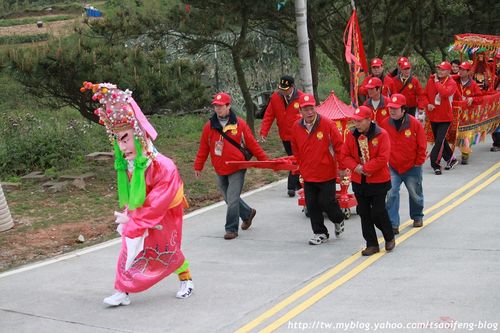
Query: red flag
(354, 54)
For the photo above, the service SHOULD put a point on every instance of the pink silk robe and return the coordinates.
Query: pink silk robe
(162, 253)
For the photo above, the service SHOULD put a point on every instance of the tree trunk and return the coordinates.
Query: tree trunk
(312, 32)
(303, 45)
(314, 68)
(428, 61)
(242, 82)
(240, 74)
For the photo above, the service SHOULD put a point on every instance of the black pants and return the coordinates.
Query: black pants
(372, 211)
(496, 139)
(441, 147)
(412, 110)
(320, 197)
(293, 180)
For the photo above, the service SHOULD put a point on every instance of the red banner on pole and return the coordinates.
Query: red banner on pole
(354, 54)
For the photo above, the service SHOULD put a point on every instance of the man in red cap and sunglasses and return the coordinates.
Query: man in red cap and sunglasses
(317, 143)
(366, 153)
(438, 97)
(226, 137)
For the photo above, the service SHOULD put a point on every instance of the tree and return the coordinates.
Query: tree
(303, 44)
(226, 24)
(55, 72)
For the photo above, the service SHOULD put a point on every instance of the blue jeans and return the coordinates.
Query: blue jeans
(230, 187)
(413, 182)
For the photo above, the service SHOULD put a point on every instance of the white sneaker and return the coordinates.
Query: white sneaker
(186, 289)
(118, 298)
(318, 239)
(339, 228)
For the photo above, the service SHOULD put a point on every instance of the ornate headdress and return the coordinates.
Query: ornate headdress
(119, 111)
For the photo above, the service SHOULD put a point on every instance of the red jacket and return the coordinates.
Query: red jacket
(442, 112)
(469, 89)
(317, 151)
(382, 111)
(238, 130)
(387, 88)
(408, 144)
(379, 147)
(413, 91)
(285, 114)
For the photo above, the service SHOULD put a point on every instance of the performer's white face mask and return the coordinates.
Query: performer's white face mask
(126, 143)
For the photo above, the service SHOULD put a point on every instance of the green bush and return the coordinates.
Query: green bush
(38, 141)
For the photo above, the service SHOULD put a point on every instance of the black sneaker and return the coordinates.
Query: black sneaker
(451, 163)
(437, 171)
(291, 193)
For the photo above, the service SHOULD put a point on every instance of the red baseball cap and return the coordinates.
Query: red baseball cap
(373, 83)
(221, 99)
(402, 59)
(397, 101)
(377, 62)
(405, 65)
(363, 112)
(307, 100)
(444, 65)
(465, 65)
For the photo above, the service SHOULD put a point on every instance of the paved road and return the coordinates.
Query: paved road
(269, 278)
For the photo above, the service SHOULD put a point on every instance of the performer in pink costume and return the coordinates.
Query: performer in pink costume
(151, 191)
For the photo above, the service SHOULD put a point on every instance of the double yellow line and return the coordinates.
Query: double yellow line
(364, 264)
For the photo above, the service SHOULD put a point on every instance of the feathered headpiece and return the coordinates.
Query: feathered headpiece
(119, 111)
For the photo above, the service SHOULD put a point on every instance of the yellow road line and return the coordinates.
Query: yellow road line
(356, 270)
(346, 262)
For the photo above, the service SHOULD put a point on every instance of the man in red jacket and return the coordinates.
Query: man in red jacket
(438, 97)
(222, 128)
(316, 143)
(409, 86)
(366, 153)
(284, 107)
(377, 103)
(377, 69)
(408, 152)
(467, 90)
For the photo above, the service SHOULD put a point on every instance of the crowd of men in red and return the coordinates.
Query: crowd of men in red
(386, 147)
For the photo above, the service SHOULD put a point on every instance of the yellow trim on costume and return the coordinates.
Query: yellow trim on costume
(179, 198)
